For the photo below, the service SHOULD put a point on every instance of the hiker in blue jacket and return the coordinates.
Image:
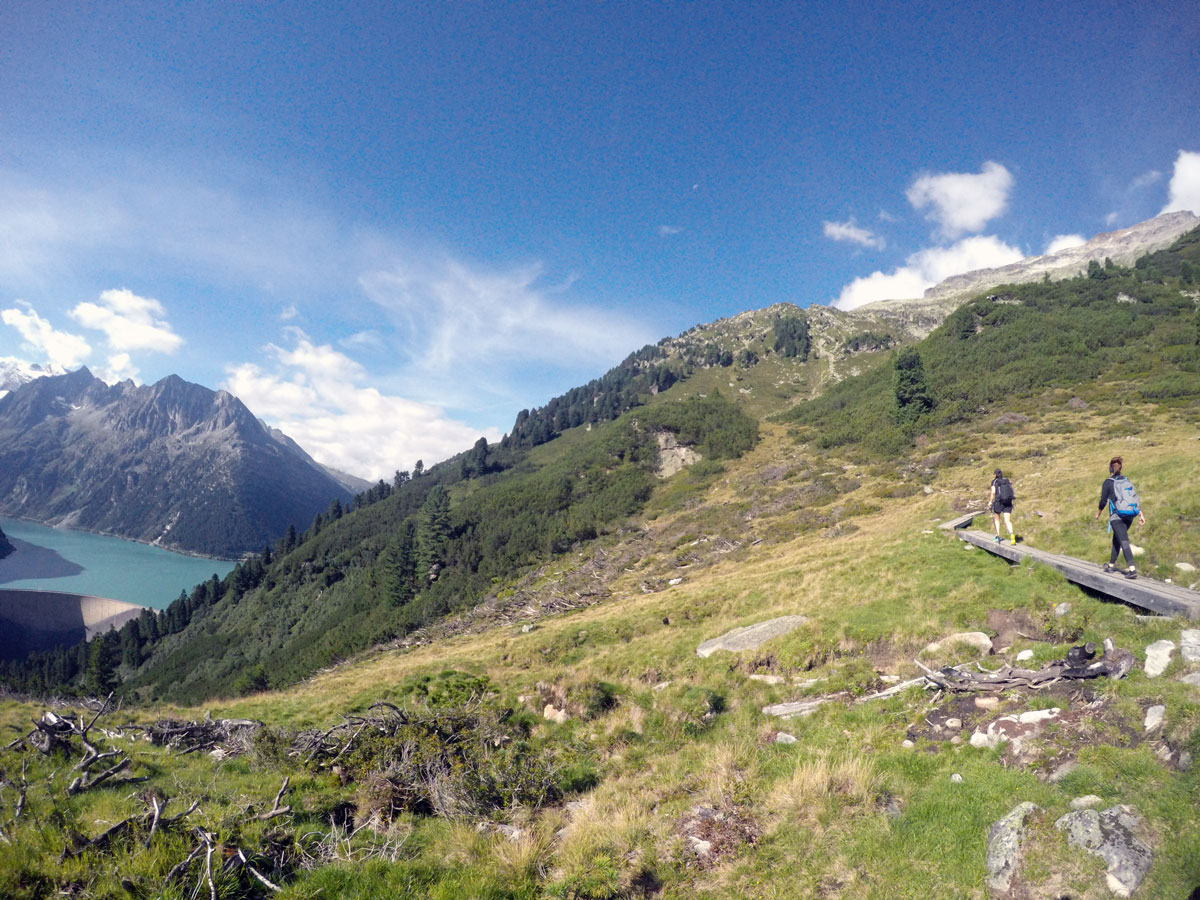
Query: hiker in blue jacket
(1119, 495)
(1000, 501)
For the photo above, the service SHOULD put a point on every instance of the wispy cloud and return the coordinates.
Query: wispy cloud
(925, 268)
(230, 231)
(1184, 189)
(848, 231)
(129, 322)
(45, 341)
(961, 202)
(1145, 180)
(668, 230)
(465, 326)
(319, 397)
(1064, 242)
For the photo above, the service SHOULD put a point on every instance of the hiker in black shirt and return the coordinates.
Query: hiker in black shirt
(1119, 522)
(1000, 501)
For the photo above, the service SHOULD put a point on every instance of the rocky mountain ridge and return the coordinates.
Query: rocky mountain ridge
(173, 464)
(920, 315)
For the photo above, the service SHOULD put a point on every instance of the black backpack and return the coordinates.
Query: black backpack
(1004, 490)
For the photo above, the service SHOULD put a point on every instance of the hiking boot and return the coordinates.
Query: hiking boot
(1131, 572)
(1013, 540)
(1109, 567)
(997, 539)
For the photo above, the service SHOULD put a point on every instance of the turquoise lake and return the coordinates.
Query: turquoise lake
(52, 559)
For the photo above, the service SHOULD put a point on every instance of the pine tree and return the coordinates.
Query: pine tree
(913, 396)
(103, 655)
(433, 530)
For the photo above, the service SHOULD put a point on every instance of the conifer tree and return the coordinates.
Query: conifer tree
(913, 396)
(433, 530)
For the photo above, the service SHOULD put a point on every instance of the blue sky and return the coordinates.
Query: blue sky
(389, 227)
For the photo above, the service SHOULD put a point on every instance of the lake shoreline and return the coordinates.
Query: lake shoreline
(121, 537)
(78, 561)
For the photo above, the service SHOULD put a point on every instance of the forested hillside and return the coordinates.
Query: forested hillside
(1125, 332)
(424, 546)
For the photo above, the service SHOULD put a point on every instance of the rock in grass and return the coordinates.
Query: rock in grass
(1158, 657)
(1193, 679)
(1061, 610)
(1189, 645)
(1004, 848)
(1062, 771)
(977, 640)
(1110, 836)
(1087, 801)
(766, 679)
(1154, 718)
(1024, 655)
(750, 637)
(795, 709)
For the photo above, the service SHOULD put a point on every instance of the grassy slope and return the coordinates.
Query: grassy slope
(875, 596)
(846, 811)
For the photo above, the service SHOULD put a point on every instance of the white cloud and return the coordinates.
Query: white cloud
(58, 347)
(317, 396)
(118, 368)
(1184, 190)
(1064, 242)
(925, 268)
(668, 230)
(1111, 218)
(129, 322)
(961, 202)
(467, 330)
(848, 231)
(288, 313)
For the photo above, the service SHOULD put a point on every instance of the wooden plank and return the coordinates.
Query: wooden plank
(963, 521)
(1147, 593)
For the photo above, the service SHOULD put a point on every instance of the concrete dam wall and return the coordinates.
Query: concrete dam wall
(41, 620)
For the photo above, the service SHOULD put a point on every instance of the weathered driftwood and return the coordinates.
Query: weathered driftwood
(232, 736)
(53, 732)
(151, 818)
(1115, 663)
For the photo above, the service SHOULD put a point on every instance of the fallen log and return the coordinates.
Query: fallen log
(1115, 663)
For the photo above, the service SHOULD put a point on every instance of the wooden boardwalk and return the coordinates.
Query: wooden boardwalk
(1157, 596)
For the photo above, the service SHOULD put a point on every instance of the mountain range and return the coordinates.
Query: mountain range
(172, 464)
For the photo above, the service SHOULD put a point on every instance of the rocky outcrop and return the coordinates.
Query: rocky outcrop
(1112, 836)
(172, 463)
(5, 547)
(920, 315)
(1122, 247)
(1004, 849)
(750, 637)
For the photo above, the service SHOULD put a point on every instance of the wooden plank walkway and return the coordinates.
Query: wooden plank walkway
(1157, 596)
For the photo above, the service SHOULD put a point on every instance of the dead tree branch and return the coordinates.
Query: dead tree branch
(1115, 663)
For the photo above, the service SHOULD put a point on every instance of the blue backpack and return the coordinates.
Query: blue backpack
(1126, 502)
